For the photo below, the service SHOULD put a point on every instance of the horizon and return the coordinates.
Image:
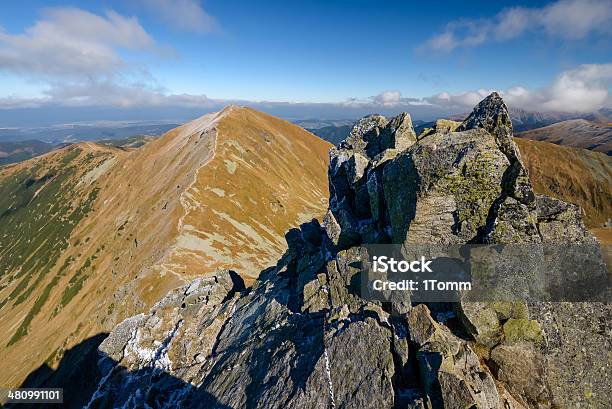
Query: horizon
(162, 60)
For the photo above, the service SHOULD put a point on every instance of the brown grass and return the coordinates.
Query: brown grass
(575, 175)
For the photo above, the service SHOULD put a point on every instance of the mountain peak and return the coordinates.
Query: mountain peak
(218, 192)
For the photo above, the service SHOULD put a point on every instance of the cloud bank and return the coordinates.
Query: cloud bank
(566, 19)
(583, 89)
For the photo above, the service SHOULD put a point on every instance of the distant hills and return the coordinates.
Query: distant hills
(11, 152)
(70, 133)
(579, 133)
(585, 130)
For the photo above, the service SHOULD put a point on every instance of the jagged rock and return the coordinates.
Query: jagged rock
(492, 115)
(398, 134)
(451, 372)
(443, 186)
(355, 196)
(515, 223)
(341, 227)
(365, 132)
(559, 221)
(361, 354)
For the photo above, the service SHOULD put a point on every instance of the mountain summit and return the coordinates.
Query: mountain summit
(93, 234)
(303, 337)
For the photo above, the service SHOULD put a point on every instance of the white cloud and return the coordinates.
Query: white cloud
(185, 15)
(583, 89)
(72, 43)
(107, 93)
(388, 98)
(569, 19)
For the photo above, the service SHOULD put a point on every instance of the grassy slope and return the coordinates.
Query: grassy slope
(81, 255)
(575, 175)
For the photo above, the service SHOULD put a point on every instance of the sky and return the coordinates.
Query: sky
(173, 59)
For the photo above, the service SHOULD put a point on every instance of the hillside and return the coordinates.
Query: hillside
(578, 133)
(91, 234)
(574, 175)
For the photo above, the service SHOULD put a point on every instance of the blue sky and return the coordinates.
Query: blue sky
(333, 58)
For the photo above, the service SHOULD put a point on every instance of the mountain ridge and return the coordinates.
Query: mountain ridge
(151, 224)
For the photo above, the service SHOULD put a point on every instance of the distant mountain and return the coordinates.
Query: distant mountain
(91, 234)
(332, 134)
(11, 152)
(578, 133)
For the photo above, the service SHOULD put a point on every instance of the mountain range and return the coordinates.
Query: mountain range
(218, 266)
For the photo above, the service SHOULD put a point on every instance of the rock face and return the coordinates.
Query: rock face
(302, 337)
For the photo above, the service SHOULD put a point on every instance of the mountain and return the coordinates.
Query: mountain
(574, 175)
(304, 335)
(578, 133)
(11, 152)
(91, 234)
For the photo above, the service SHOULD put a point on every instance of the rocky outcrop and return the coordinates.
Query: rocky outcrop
(303, 336)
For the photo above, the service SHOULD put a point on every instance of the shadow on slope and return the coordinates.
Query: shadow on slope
(77, 373)
(79, 376)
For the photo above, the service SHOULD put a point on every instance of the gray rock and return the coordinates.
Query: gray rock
(451, 372)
